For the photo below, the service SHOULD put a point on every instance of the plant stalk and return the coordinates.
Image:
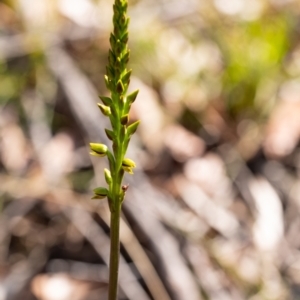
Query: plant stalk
(114, 251)
(116, 108)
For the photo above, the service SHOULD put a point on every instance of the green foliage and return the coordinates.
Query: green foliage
(253, 52)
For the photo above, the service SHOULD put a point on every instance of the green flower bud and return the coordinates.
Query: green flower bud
(126, 77)
(112, 40)
(100, 193)
(128, 164)
(107, 176)
(110, 134)
(107, 82)
(104, 109)
(131, 97)
(98, 149)
(111, 57)
(116, 31)
(125, 58)
(131, 129)
(106, 100)
(122, 20)
(118, 47)
(124, 119)
(125, 4)
(120, 87)
(110, 72)
(96, 197)
(128, 170)
(124, 38)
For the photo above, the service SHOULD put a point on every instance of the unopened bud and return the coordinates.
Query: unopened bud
(124, 119)
(104, 109)
(126, 77)
(131, 98)
(100, 193)
(125, 57)
(128, 165)
(110, 134)
(128, 170)
(120, 87)
(131, 129)
(127, 162)
(106, 100)
(98, 149)
(107, 82)
(107, 176)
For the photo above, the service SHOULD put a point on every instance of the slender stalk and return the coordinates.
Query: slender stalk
(114, 253)
(116, 108)
(115, 209)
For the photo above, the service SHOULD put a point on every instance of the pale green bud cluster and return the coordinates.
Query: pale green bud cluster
(117, 107)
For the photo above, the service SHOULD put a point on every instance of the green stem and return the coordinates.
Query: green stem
(114, 249)
(116, 205)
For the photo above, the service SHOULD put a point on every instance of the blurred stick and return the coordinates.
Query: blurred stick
(211, 279)
(239, 174)
(166, 246)
(216, 216)
(17, 208)
(22, 272)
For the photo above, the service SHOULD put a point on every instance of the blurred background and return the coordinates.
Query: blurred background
(212, 211)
